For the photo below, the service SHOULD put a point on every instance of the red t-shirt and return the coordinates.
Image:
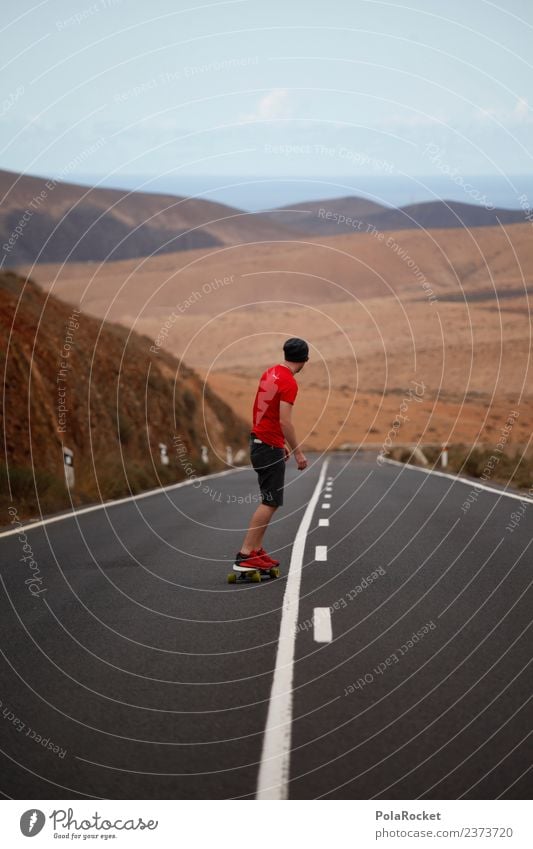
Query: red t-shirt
(276, 384)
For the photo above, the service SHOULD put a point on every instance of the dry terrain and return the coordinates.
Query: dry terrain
(442, 313)
(94, 387)
(44, 220)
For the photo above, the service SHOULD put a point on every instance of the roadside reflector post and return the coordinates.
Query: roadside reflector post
(444, 457)
(205, 454)
(419, 456)
(68, 464)
(229, 455)
(163, 452)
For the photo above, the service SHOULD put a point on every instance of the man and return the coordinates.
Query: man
(272, 441)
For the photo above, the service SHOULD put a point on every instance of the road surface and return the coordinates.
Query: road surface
(136, 671)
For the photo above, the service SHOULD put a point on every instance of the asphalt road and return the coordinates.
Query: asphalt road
(140, 673)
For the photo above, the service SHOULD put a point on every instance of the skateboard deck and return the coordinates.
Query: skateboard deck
(253, 575)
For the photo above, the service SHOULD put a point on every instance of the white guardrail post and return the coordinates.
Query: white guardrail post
(68, 464)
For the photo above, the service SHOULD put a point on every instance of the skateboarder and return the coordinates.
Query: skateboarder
(272, 441)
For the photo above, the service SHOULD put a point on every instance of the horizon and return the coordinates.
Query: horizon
(501, 192)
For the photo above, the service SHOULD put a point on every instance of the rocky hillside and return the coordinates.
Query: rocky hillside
(96, 388)
(45, 220)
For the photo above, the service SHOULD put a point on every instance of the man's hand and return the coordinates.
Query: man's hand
(301, 460)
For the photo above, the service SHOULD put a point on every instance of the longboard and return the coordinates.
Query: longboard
(253, 575)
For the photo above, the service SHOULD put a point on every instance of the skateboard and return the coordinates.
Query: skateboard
(253, 575)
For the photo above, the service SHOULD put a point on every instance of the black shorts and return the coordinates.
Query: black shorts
(269, 463)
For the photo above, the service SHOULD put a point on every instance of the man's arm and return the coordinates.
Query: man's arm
(287, 427)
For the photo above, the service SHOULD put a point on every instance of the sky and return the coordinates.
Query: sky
(171, 89)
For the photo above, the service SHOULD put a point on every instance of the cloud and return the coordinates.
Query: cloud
(271, 107)
(521, 110)
(519, 114)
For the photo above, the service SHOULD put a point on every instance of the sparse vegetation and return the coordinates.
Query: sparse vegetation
(32, 491)
(125, 429)
(513, 466)
(189, 401)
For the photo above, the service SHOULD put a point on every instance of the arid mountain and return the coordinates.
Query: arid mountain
(449, 308)
(42, 220)
(92, 386)
(353, 214)
(46, 221)
(329, 217)
(443, 213)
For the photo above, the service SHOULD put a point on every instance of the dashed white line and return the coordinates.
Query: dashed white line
(321, 552)
(327, 495)
(325, 506)
(323, 523)
(273, 780)
(322, 630)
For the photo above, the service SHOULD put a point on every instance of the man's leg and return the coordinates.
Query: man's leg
(256, 531)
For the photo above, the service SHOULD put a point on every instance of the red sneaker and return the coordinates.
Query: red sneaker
(270, 560)
(251, 561)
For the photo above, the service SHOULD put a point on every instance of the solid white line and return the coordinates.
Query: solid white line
(321, 552)
(325, 506)
(273, 780)
(323, 523)
(322, 631)
(22, 528)
(472, 483)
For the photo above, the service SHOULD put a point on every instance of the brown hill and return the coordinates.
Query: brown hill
(42, 220)
(455, 263)
(312, 218)
(448, 307)
(443, 213)
(46, 221)
(353, 214)
(98, 389)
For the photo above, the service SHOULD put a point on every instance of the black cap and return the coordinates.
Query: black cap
(296, 350)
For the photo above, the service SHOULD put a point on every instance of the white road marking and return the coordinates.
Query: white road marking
(322, 631)
(321, 552)
(325, 506)
(323, 523)
(72, 514)
(473, 484)
(273, 780)
(327, 495)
